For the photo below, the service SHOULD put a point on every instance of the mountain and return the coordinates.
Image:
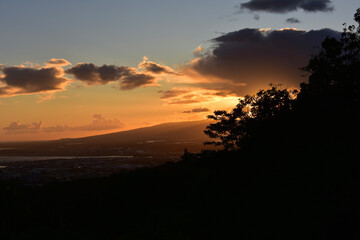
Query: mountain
(166, 138)
(190, 131)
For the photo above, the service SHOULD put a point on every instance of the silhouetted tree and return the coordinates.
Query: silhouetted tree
(335, 71)
(328, 105)
(330, 98)
(234, 128)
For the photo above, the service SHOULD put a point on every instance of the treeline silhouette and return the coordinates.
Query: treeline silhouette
(289, 170)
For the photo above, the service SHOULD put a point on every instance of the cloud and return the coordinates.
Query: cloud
(92, 74)
(56, 128)
(192, 95)
(292, 20)
(136, 80)
(45, 97)
(58, 62)
(283, 6)
(127, 78)
(185, 95)
(198, 50)
(257, 57)
(189, 101)
(99, 123)
(25, 80)
(33, 78)
(198, 110)
(173, 93)
(19, 128)
(155, 68)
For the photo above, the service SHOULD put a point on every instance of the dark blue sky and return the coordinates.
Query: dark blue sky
(122, 32)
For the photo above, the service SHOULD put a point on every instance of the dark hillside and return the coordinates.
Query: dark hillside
(169, 132)
(163, 138)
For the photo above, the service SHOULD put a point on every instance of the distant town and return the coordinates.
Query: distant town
(40, 172)
(44, 162)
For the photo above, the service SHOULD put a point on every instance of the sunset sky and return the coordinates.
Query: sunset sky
(85, 67)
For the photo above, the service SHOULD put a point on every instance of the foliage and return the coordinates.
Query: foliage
(336, 69)
(235, 127)
(331, 97)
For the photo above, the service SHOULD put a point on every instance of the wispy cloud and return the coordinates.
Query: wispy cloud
(192, 95)
(45, 97)
(197, 110)
(20, 128)
(175, 92)
(58, 62)
(198, 50)
(99, 123)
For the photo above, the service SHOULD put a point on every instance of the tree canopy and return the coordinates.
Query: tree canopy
(234, 128)
(330, 97)
(335, 70)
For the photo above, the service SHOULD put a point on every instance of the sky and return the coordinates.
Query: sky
(86, 67)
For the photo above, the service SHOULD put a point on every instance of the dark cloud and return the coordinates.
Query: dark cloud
(135, 80)
(198, 110)
(92, 74)
(283, 6)
(317, 5)
(24, 80)
(256, 57)
(17, 80)
(155, 68)
(99, 123)
(292, 20)
(128, 78)
(223, 93)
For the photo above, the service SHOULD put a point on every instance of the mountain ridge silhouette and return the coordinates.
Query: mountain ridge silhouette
(170, 131)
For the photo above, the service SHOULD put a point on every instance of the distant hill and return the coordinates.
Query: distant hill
(166, 137)
(190, 131)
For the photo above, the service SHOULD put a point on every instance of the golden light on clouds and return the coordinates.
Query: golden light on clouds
(291, 29)
(198, 50)
(60, 93)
